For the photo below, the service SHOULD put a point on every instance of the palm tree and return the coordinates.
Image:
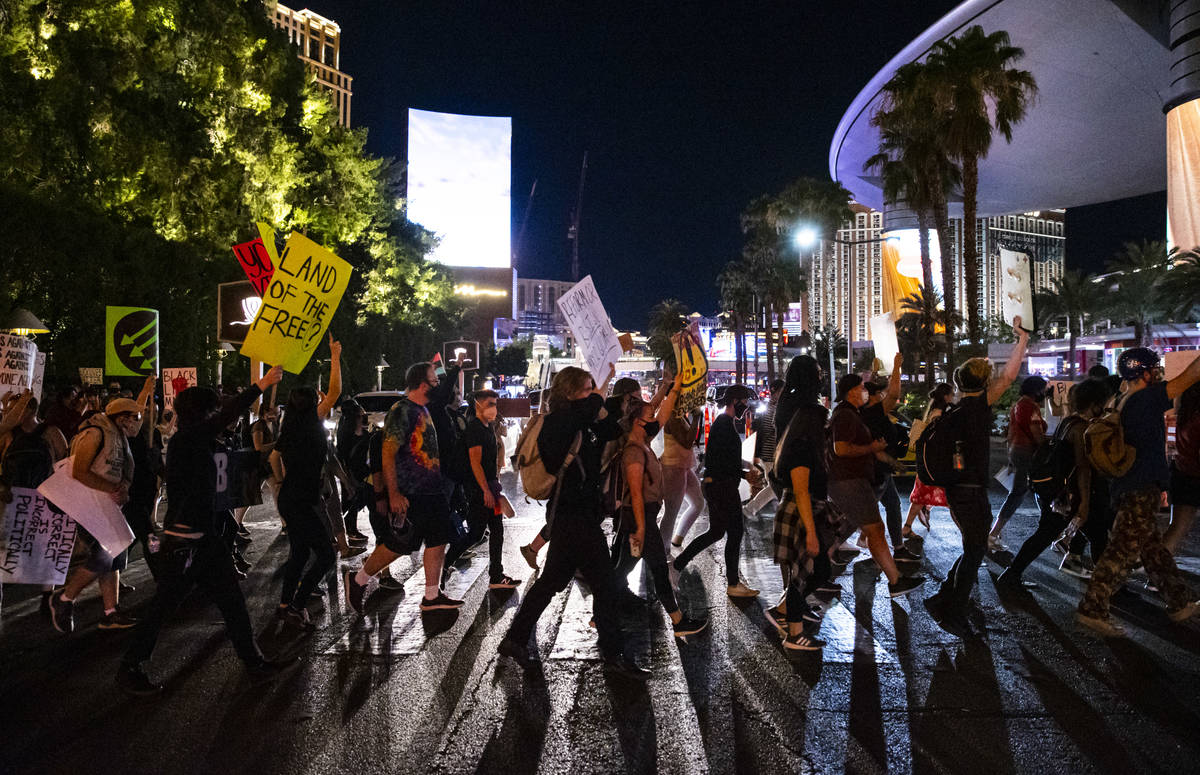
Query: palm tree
(788, 283)
(822, 338)
(979, 92)
(1141, 270)
(737, 298)
(1072, 296)
(917, 170)
(1181, 290)
(667, 318)
(916, 329)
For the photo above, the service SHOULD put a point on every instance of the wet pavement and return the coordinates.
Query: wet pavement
(400, 692)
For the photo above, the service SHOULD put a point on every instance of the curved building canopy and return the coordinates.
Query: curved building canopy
(1097, 130)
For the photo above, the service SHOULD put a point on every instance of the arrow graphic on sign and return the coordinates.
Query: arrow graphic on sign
(140, 349)
(129, 339)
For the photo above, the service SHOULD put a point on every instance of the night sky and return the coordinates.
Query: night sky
(687, 111)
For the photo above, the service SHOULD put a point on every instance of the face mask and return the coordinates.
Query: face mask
(130, 425)
(739, 411)
(652, 429)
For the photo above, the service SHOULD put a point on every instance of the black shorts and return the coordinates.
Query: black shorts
(98, 560)
(1185, 489)
(429, 521)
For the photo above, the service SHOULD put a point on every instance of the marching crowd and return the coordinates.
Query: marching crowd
(429, 482)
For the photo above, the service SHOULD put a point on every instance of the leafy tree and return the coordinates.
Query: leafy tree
(1181, 289)
(511, 361)
(917, 331)
(979, 92)
(737, 298)
(166, 129)
(667, 318)
(822, 337)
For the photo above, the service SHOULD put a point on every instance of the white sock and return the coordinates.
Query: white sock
(109, 611)
(431, 592)
(361, 577)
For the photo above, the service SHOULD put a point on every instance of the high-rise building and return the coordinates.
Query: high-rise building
(537, 305)
(320, 43)
(857, 255)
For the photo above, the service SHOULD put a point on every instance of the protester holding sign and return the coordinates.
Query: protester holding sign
(103, 462)
(193, 551)
(300, 455)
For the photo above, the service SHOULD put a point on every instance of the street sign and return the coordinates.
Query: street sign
(237, 304)
(131, 342)
(470, 351)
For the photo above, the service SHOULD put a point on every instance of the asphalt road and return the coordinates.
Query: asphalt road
(398, 692)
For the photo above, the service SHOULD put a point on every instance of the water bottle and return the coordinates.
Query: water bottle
(960, 460)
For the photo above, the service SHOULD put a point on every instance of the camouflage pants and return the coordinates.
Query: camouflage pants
(1134, 537)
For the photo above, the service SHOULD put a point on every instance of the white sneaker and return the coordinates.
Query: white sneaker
(741, 590)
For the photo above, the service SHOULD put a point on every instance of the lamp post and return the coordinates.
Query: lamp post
(21, 322)
(379, 367)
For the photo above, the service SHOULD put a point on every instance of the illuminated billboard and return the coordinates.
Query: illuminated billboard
(459, 182)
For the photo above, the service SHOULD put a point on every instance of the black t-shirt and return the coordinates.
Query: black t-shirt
(801, 449)
(723, 452)
(303, 457)
(479, 435)
(977, 433)
(846, 425)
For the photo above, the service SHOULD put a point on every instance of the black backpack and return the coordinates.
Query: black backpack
(1053, 463)
(27, 460)
(455, 463)
(936, 447)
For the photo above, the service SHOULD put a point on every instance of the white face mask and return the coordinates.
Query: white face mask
(130, 425)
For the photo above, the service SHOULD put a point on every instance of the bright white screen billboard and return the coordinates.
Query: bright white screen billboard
(459, 185)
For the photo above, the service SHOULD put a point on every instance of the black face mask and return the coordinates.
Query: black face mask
(652, 429)
(739, 411)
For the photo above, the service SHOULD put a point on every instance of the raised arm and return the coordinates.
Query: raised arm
(236, 407)
(892, 397)
(1013, 367)
(335, 379)
(667, 405)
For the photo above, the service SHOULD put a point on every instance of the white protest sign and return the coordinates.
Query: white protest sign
(175, 381)
(595, 338)
(1016, 290)
(748, 445)
(39, 376)
(96, 511)
(883, 334)
(18, 356)
(35, 540)
(1177, 361)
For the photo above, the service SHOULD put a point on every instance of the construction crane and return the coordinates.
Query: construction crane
(573, 231)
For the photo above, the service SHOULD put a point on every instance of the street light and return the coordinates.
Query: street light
(806, 237)
(21, 322)
(379, 367)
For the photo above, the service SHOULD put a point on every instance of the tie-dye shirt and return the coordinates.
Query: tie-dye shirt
(410, 427)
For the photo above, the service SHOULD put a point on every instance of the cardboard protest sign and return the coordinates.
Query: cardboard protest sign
(131, 342)
(883, 334)
(1177, 361)
(1016, 289)
(18, 357)
(175, 381)
(1057, 391)
(595, 338)
(93, 375)
(35, 540)
(96, 511)
(256, 263)
(693, 366)
(39, 376)
(299, 303)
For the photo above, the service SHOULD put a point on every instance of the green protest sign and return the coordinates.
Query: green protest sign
(131, 342)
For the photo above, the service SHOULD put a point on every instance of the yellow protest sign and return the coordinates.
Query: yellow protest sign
(305, 291)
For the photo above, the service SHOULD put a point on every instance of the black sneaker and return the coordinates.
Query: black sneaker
(904, 554)
(504, 582)
(829, 589)
(904, 585)
(356, 594)
(956, 624)
(441, 602)
(689, 626)
(1008, 580)
(62, 614)
(132, 680)
(624, 666)
(522, 655)
(844, 556)
(777, 618)
(117, 620)
(390, 584)
(802, 642)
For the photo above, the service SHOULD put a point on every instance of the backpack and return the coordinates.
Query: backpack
(1054, 463)
(936, 446)
(613, 491)
(536, 481)
(1104, 442)
(27, 460)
